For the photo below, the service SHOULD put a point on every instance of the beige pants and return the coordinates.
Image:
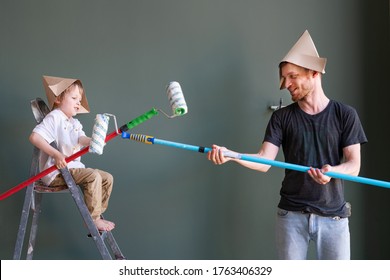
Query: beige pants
(96, 186)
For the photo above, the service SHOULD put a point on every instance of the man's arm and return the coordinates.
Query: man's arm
(350, 165)
(267, 150)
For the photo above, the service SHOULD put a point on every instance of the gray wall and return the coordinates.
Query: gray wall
(170, 203)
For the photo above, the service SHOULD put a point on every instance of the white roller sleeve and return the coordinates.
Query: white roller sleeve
(99, 134)
(176, 99)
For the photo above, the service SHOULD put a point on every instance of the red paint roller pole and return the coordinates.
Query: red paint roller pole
(129, 125)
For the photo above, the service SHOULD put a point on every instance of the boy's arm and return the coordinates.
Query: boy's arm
(84, 141)
(40, 142)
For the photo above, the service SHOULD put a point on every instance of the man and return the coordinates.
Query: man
(317, 132)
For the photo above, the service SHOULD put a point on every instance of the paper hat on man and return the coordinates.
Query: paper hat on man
(54, 86)
(304, 54)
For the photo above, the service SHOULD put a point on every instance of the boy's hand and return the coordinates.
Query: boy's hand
(84, 141)
(60, 161)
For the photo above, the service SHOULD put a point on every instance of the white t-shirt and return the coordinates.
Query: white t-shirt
(56, 126)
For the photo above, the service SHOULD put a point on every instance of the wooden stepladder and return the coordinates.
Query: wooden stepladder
(32, 204)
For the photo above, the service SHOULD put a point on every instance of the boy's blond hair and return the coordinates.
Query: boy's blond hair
(68, 89)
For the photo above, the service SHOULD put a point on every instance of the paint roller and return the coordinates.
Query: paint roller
(99, 132)
(152, 140)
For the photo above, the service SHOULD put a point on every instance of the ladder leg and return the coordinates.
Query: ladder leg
(34, 225)
(23, 223)
(28, 202)
(78, 198)
(114, 245)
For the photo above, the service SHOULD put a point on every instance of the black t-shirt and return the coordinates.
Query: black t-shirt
(314, 140)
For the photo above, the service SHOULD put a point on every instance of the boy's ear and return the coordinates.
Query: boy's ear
(57, 101)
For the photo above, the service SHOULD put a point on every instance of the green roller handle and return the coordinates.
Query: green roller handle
(144, 117)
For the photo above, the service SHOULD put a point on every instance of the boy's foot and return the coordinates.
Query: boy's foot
(104, 225)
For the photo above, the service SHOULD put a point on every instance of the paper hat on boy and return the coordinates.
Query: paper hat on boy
(304, 54)
(54, 86)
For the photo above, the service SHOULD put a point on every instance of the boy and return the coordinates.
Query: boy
(66, 99)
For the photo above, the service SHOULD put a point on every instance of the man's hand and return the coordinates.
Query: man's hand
(318, 174)
(216, 155)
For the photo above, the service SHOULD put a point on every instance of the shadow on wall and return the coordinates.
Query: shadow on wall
(376, 71)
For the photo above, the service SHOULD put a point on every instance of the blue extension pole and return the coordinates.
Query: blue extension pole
(152, 140)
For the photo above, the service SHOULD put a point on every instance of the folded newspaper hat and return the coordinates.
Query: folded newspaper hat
(304, 54)
(54, 86)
